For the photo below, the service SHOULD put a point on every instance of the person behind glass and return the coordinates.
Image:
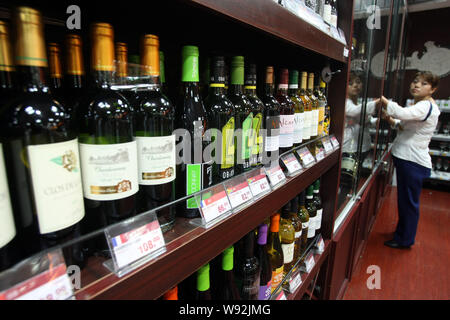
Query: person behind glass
(410, 152)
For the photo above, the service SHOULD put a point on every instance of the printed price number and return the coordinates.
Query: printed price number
(239, 194)
(258, 184)
(276, 175)
(215, 206)
(291, 163)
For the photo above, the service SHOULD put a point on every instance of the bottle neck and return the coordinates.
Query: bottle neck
(282, 90)
(217, 89)
(250, 90)
(74, 81)
(32, 78)
(269, 89)
(236, 89)
(249, 245)
(102, 79)
(6, 80)
(203, 279)
(55, 83)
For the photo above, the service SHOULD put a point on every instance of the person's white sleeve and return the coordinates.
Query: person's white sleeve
(416, 112)
(396, 124)
(370, 107)
(351, 109)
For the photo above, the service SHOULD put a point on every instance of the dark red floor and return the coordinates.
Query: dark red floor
(422, 272)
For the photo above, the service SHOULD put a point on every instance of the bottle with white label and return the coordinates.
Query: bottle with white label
(299, 108)
(271, 118)
(154, 126)
(318, 202)
(327, 11)
(41, 152)
(312, 210)
(334, 13)
(315, 108)
(107, 148)
(287, 237)
(307, 103)
(297, 223)
(287, 112)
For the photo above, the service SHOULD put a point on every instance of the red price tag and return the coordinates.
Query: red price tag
(291, 163)
(309, 262)
(215, 206)
(320, 155)
(327, 145)
(275, 175)
(306, 156)
(258, 184)
(295, 282)
(334, 142)
(239, 194)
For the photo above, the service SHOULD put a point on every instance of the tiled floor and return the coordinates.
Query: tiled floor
(422, 272)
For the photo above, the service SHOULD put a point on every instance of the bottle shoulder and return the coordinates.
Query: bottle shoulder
(241, 103)
(153, 102)
(218, 103)
(106, 103)
(258, 105)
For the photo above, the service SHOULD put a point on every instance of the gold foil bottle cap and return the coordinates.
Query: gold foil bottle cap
(29, 38)
(150, 55)
(74, 58)
(6, 62)
(121, 59)
(54, 58)
(102, 36)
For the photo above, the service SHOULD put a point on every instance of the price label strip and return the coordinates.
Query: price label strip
(309, 262)
(306, 157)
(259, 185)
(239, 194)
(334, 142)
(53, 284)
(136, 244)
(276, 175)
(215, 206)
(327, 145)
(292, 164)
(320, 155)
(295, 282)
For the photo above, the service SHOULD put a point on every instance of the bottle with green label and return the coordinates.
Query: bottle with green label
(221, 118)
(258, 111)
(243, 115)
(194, 174)
(299, 108)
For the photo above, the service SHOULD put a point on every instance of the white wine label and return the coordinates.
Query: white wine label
(110, 171)
(7, 228)
(298, 234)
(348, 164)
(286, 130)
(319, 219)
(312, 227)
(156, 159)
(57, 186)
(307, 118)
(298, 127)
(327, 13)
(314, 122)
(272, 143)
(288, 252)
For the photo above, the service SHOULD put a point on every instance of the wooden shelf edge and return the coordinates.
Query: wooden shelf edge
(280, 22)
(195, 248)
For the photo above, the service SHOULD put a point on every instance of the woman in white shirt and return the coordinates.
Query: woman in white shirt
(410, 152)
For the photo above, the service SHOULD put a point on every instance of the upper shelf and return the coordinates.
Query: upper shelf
(272, 18)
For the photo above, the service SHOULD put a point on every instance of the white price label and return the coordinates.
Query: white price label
(291, 163)
(334, 142)
(306, 156)
(258, 184)
(276, 175)
(239, 194)
(281, 296)
(327, 145)
(215, 206)
(309, 262)
(53, 284)
(136, 244)
(320, 155)
(295, 282)
(320, 246)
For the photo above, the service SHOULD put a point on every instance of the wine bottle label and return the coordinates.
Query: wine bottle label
(265, 291)
(307, 125)
(228, 144)
(277, 277)
(286, 130)
(298, 127)
(319, 219)
(194, 183)
(57, 187)
(156, 159)
(7, 228)
(348, 164)
(327, 13)
(250, 286)
(333, 20)
(314, 123)
(312, 227)
(272, 142)
(247, 136)
(321, 121)
(257, 138)
(110, 171)
(288, 252)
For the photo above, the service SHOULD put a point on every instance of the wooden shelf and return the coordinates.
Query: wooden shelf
(270, 17)
(189, 247)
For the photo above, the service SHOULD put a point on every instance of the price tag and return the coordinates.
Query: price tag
(320, 246)
(309, 262)
(327, 145)
(334, 142)
(320, 155)
(258, 184)
(239, 194)
(306, 156)
(291, 163)
(281, 296)
(295, 282)
(53, 284)
(215, 206)
(133, 245)
(276, 175)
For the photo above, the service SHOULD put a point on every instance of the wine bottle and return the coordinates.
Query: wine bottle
(297, 224)
(258, 111)
(121, 83)
(249, 270)
(203, 291)
(243, 115)
(271, 117)
(221, 117)
(265, 280)
(162, 70)
(315, 107)
(107, 149)
(55, 71)
(287, 236)
(312, 210)
(227, 289)
(154, 126)
(334, 13)
(318, 203)
(304, 217)
(299, 108)
(193, 173)
(7, 68)
(322, 105)
(307, 121)
(171, 294)
(327, 11)
(74, 78)
(41, 153)
(275, 252)
(286, 112)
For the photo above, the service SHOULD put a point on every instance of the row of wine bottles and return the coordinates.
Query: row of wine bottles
(78, 157)
(254, 267)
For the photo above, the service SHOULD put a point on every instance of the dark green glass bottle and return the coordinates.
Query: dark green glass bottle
(271, 118)
(312, 210)
(304, 217)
